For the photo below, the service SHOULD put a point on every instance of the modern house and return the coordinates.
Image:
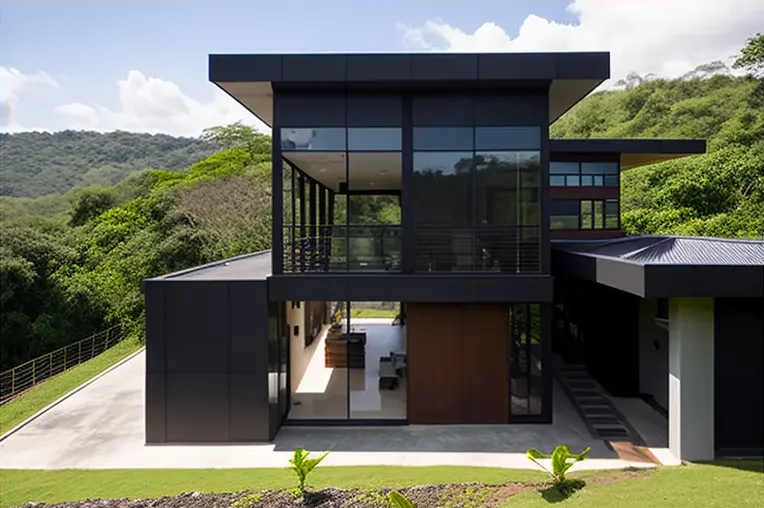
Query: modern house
(429, 181)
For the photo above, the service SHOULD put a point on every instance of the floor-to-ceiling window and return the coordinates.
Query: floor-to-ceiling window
(526, 367)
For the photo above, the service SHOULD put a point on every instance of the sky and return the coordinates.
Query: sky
(142, 65)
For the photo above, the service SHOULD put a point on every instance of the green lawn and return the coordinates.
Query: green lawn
(20, 409)
(737, 484)
(372, 313)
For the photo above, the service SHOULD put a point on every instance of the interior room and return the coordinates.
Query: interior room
(347, 361)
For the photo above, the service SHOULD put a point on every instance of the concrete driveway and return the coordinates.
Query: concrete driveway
(102, 426)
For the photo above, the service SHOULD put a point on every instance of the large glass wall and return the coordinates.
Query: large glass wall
(526, 382)
(476, 199)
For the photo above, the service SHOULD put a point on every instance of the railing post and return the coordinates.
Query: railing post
(50, 365)
(107, 339)
(92, 348)
(13, 381)
(79, 352)
(34, 371)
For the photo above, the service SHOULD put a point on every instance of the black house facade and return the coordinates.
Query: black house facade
(429, 181)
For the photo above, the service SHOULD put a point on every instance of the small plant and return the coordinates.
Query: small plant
(562, 460)
(302, 466)
(248, 501)
(398, 500)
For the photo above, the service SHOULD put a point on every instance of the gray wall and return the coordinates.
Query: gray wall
(739, 376)
(206, 361)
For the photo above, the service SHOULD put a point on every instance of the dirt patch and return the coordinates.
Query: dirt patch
(463, 495)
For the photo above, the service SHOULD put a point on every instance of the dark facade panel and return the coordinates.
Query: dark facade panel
(443, 109)
(523, 66)
(739, 376)
(156, 405)
(557, 156)
(634, 146)
(523, 108)
(703, 281)
(196, 327)
(197, 408)
(248, 334)
(366, 110)
(156, 354)
(309, 110)
(255, 68)
(582, 65)
(584, 192)
(380, 68)
(444, 66)
(249, 414)
(314, 68)
(415, 288)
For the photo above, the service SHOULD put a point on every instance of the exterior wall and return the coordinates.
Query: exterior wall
(207, 361)
(691, 378)
(299, 355)
(653, 354)
(739, 376)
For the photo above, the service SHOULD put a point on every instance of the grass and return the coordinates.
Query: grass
(373, 313)
(723, 484)
(21, 408)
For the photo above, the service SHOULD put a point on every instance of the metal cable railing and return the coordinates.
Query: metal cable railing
(23, 377)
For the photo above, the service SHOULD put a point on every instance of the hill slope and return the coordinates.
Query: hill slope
(720, 193)
(37, 163)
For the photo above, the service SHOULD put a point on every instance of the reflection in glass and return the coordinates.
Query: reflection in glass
(322, 139)
(599, 168)
(611, 180)
(442, 138)
(572, 181)
(557, 180)
(586, 214)
(563, 221)
(442, 188)
(599, 214)
(563, 168)
(525, 359)
(611, 214)
(507, 138)
(374, 138)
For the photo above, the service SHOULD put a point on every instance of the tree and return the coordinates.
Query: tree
(91, 203)
(751, 57)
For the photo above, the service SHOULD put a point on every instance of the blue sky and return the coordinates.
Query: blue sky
(61, 61)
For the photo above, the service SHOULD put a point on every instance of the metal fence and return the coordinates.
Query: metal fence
(25, 376)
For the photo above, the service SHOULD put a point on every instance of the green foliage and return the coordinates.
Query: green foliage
(248, 500)
(39, 163)
(562, 461)
(302, 466)
(719, 193)
(91, 203)
(751, 57)
(398, 500)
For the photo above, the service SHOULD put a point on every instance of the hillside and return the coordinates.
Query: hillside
(720, 193)
(37, 163)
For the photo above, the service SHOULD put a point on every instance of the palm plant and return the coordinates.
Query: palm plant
(562, 461)
(302, 466)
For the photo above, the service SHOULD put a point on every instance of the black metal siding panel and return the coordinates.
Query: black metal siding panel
(156, 354)
(646, 146)
(379, 68)
(249, 409)
(739, 376)
(364, 110)
(197, 327)
(309, 110)
(521, 108)
(247, 307)
(583, 65)
(314, 68)
(414, 288)
(664, 281)
(522, 66)
(441, 66)
(156, 407)
(232, 68)
(197, 408)
(443, 110)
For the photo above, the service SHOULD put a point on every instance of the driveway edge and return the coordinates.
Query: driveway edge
(67, 395)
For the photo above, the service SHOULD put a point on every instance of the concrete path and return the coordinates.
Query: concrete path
(102, 427)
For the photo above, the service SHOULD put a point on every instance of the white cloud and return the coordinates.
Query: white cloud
(665, 37)
(148, 104)
(13, 83)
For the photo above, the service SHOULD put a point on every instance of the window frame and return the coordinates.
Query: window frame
(579, 177)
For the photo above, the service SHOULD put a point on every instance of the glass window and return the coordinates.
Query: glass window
(563, 221)
(557, 180)
(526, 384)
(587, 181)
(572, 180)
(599, 168)
(599, 214)
(563, 207)
(323, 139)
(442, 188)
(598, 181)
(586, 214)
(507, 138)
(611, 180)
(374, 139)
(611, 214)
(563, 168)
(442, 138)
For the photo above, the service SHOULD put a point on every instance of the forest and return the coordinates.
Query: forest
(79, 231)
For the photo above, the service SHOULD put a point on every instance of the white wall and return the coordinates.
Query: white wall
(653, 363)
(691, 378)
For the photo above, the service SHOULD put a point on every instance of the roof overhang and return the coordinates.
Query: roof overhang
(608, 263)
(632, 152)
(250, 79)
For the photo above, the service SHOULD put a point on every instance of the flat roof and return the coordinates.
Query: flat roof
(251, 78)
(633, 152)
(666, 266)
(254, 266)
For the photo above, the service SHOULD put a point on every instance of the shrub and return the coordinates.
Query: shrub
(302, 466)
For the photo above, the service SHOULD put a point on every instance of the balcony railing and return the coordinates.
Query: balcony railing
(377, 248)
